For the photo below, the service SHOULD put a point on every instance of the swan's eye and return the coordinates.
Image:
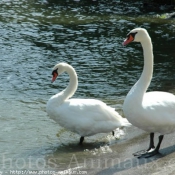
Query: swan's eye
(133, 34)
(55, 74)
(55, 71)
(130, 38)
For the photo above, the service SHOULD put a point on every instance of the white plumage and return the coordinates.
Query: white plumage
(83, 116)
(151, 111)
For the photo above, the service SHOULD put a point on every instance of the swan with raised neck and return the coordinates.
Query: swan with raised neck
(150, 111)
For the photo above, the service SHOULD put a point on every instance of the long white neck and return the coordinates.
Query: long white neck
(139, 89)
(72, 86)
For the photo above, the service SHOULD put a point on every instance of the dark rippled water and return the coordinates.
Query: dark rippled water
(35, 35)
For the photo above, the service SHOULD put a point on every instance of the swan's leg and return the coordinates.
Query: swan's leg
(151, 143)
(113, 133)
(160, 141)
(151, 146)
(81, 140)
(155, 151)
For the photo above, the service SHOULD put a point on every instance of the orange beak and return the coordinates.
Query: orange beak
(128, 40)
(54, 77)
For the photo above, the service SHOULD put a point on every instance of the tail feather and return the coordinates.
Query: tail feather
(126, 123)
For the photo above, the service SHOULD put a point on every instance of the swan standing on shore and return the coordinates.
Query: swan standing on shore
(83, 116)
(150, 111)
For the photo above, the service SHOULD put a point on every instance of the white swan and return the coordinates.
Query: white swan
(151, 111)
(83, 116)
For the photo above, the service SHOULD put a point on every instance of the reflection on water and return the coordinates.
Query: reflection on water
(35, 35)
